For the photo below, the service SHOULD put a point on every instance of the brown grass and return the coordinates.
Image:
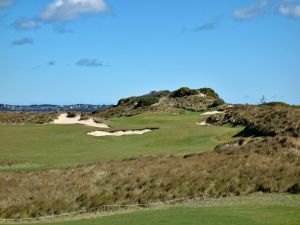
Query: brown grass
(267, 165)
(262, 120)
(26, 117)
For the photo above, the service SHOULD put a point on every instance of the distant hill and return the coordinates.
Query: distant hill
(166, 101)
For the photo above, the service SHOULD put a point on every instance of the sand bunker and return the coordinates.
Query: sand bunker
(63, 119)
(203, 124)
(118, 133)
(212, 113)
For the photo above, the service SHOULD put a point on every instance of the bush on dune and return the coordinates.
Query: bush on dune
(184, 91)
(209, 93)
(147, 101)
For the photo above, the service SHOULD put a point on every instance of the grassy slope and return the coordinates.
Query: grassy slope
(258, 209)
(68, 145)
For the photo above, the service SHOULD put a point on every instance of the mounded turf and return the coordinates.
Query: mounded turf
(54, 146)
(260, 209)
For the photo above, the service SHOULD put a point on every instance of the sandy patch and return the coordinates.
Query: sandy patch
(203, 124)
(118, 133)
(63, 119)
(212, 113)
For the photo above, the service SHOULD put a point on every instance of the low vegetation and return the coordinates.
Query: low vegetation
(262, 120)
(257, 209)
(184, 91)
(209, 93)
(239, 169)
(147, 101)
(9, 118)
(71, 114)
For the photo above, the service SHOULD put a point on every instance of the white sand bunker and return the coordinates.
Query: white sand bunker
(118, 133)
(203, 123)
(63, 119)
(212, 113)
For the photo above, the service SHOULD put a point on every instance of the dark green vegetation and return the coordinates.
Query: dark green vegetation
(71, 114)
(182, 92)
(253, 210)
(41, 146)
(147, 101)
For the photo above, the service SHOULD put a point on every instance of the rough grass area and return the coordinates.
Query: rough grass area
(238, 171)
(26, 118)
(68, 145)
(258, 209)
(262, 120)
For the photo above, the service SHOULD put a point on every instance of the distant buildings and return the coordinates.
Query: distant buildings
(51, 108)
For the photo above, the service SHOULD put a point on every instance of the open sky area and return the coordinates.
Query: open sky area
(97, 51)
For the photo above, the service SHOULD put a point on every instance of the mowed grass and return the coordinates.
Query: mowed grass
(55, 146)
(260, 209)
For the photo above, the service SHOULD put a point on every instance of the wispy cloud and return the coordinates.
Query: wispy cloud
(89, 63)
(51, 63)
(61, 10)
(290, 8)
(207, 26)
(23, 41)
(5, 3)
(24, 23)
(62, 29)
(252, 11)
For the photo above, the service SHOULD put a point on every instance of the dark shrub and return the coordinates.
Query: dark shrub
(184, 91)
(159, 94)
(126, 100)
(147, 101)
(96, 111)
(71, 114)
(209, 93)
(276, 104)
(294, 189)
(217, 103)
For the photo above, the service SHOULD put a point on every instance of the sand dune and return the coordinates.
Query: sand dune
(63, 119)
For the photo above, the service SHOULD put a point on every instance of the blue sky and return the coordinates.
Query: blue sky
(97, 51)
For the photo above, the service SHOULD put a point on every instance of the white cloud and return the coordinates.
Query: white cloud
(5, 3)
(290, 8)
(60, 10)
(252, 11)
(25, 24)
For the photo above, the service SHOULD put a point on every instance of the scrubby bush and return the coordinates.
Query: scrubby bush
(209, 93)
(276, 104)
(184, 91)
(125, 100)
(147, 101)
(217, 103)
(159, 94)
(71, 114)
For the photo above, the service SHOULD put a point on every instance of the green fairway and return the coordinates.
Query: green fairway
(274, 209)
(48, 146)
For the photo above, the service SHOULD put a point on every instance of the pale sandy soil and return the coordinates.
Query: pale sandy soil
(118, 133)
(63, 119)
(203, 124)
(212, 113)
